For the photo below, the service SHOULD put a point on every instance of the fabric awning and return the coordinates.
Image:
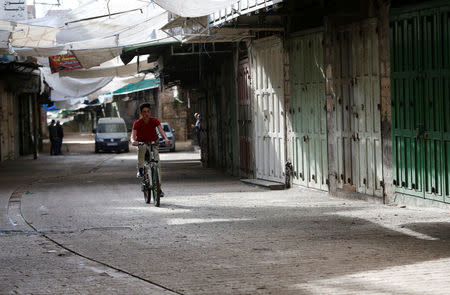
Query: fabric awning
(185, 22)
(64, 88)
(138, 86)
(193, 8)
(25, 35)
(95, 32)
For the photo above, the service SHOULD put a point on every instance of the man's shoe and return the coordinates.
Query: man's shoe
(161, 194)
(140, 173)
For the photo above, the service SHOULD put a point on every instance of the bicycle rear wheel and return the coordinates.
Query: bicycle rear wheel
(145, 187)
(155, 187)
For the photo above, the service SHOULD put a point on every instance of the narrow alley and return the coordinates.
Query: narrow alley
(303, 147)
(78, 224)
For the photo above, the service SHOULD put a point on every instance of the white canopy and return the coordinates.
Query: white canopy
(28, 35)
(65, 88)
(116, 83)
(194, 8)
(71, 104)
(95, 32)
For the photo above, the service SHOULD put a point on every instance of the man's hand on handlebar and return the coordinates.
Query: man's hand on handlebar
(137, 143)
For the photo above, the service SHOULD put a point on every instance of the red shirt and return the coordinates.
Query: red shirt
(146, 132)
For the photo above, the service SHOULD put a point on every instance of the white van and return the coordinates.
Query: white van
(111, 135)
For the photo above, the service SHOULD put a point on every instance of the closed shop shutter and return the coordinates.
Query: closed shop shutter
(358, 126)
(268, 101)
(307, 112)
(420, 74)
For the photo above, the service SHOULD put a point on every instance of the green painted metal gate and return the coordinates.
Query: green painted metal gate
(308, 112)
(420, 85)
(358, 126)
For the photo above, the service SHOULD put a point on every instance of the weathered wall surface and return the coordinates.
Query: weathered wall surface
(19, 123)
(385, 79)
(174, 112)
(7, 126)
(245, 120)
(128, 105)
(330, 104)
(129, 111)
(287, 103)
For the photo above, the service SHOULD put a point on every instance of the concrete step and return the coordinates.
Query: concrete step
(265, 183)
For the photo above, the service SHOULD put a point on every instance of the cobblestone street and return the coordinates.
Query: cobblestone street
(78, 224)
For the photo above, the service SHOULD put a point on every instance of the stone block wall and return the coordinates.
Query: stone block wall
(174, 112)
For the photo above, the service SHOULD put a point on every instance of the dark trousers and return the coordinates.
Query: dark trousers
(58, 145)
(53, 145)
(197, 133)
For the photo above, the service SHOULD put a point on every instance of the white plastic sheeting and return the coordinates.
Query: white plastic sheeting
(71, 104)
(194, 8)
(89, 58)
(82, 25)
(105, 93)
(38, 51)
(95, 32)
(28, 35)
(91, 9)
(65, 88)
(107, 26)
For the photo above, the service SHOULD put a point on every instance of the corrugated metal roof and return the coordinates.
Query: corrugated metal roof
(138, 86)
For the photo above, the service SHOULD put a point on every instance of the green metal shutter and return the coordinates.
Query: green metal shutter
(308, 114)
(420, 72)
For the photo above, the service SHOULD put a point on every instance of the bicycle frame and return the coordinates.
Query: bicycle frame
(151, 162)
(150, 167)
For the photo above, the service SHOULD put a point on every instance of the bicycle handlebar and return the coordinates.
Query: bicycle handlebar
(146, 143)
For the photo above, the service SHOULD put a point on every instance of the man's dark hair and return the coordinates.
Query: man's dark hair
(144, 105)
(53, 121)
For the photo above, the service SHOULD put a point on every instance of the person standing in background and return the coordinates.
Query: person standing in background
(52, 134)
(197, 127)
(59, 135)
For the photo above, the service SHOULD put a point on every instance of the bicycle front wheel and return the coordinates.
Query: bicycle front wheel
(155, 186)
(146, 187)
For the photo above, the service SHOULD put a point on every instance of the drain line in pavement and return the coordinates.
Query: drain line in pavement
(98, 165)
(14, 213)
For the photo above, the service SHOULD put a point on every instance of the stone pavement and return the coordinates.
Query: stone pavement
(78, 224)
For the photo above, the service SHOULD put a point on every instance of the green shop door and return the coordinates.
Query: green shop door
(307, 112)
(420, 81)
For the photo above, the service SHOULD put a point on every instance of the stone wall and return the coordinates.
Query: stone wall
(174, 112)
(7, 126)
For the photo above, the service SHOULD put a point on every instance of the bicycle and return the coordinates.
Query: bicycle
(150, 184)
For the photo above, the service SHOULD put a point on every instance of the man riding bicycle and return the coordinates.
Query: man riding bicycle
(144, 130)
